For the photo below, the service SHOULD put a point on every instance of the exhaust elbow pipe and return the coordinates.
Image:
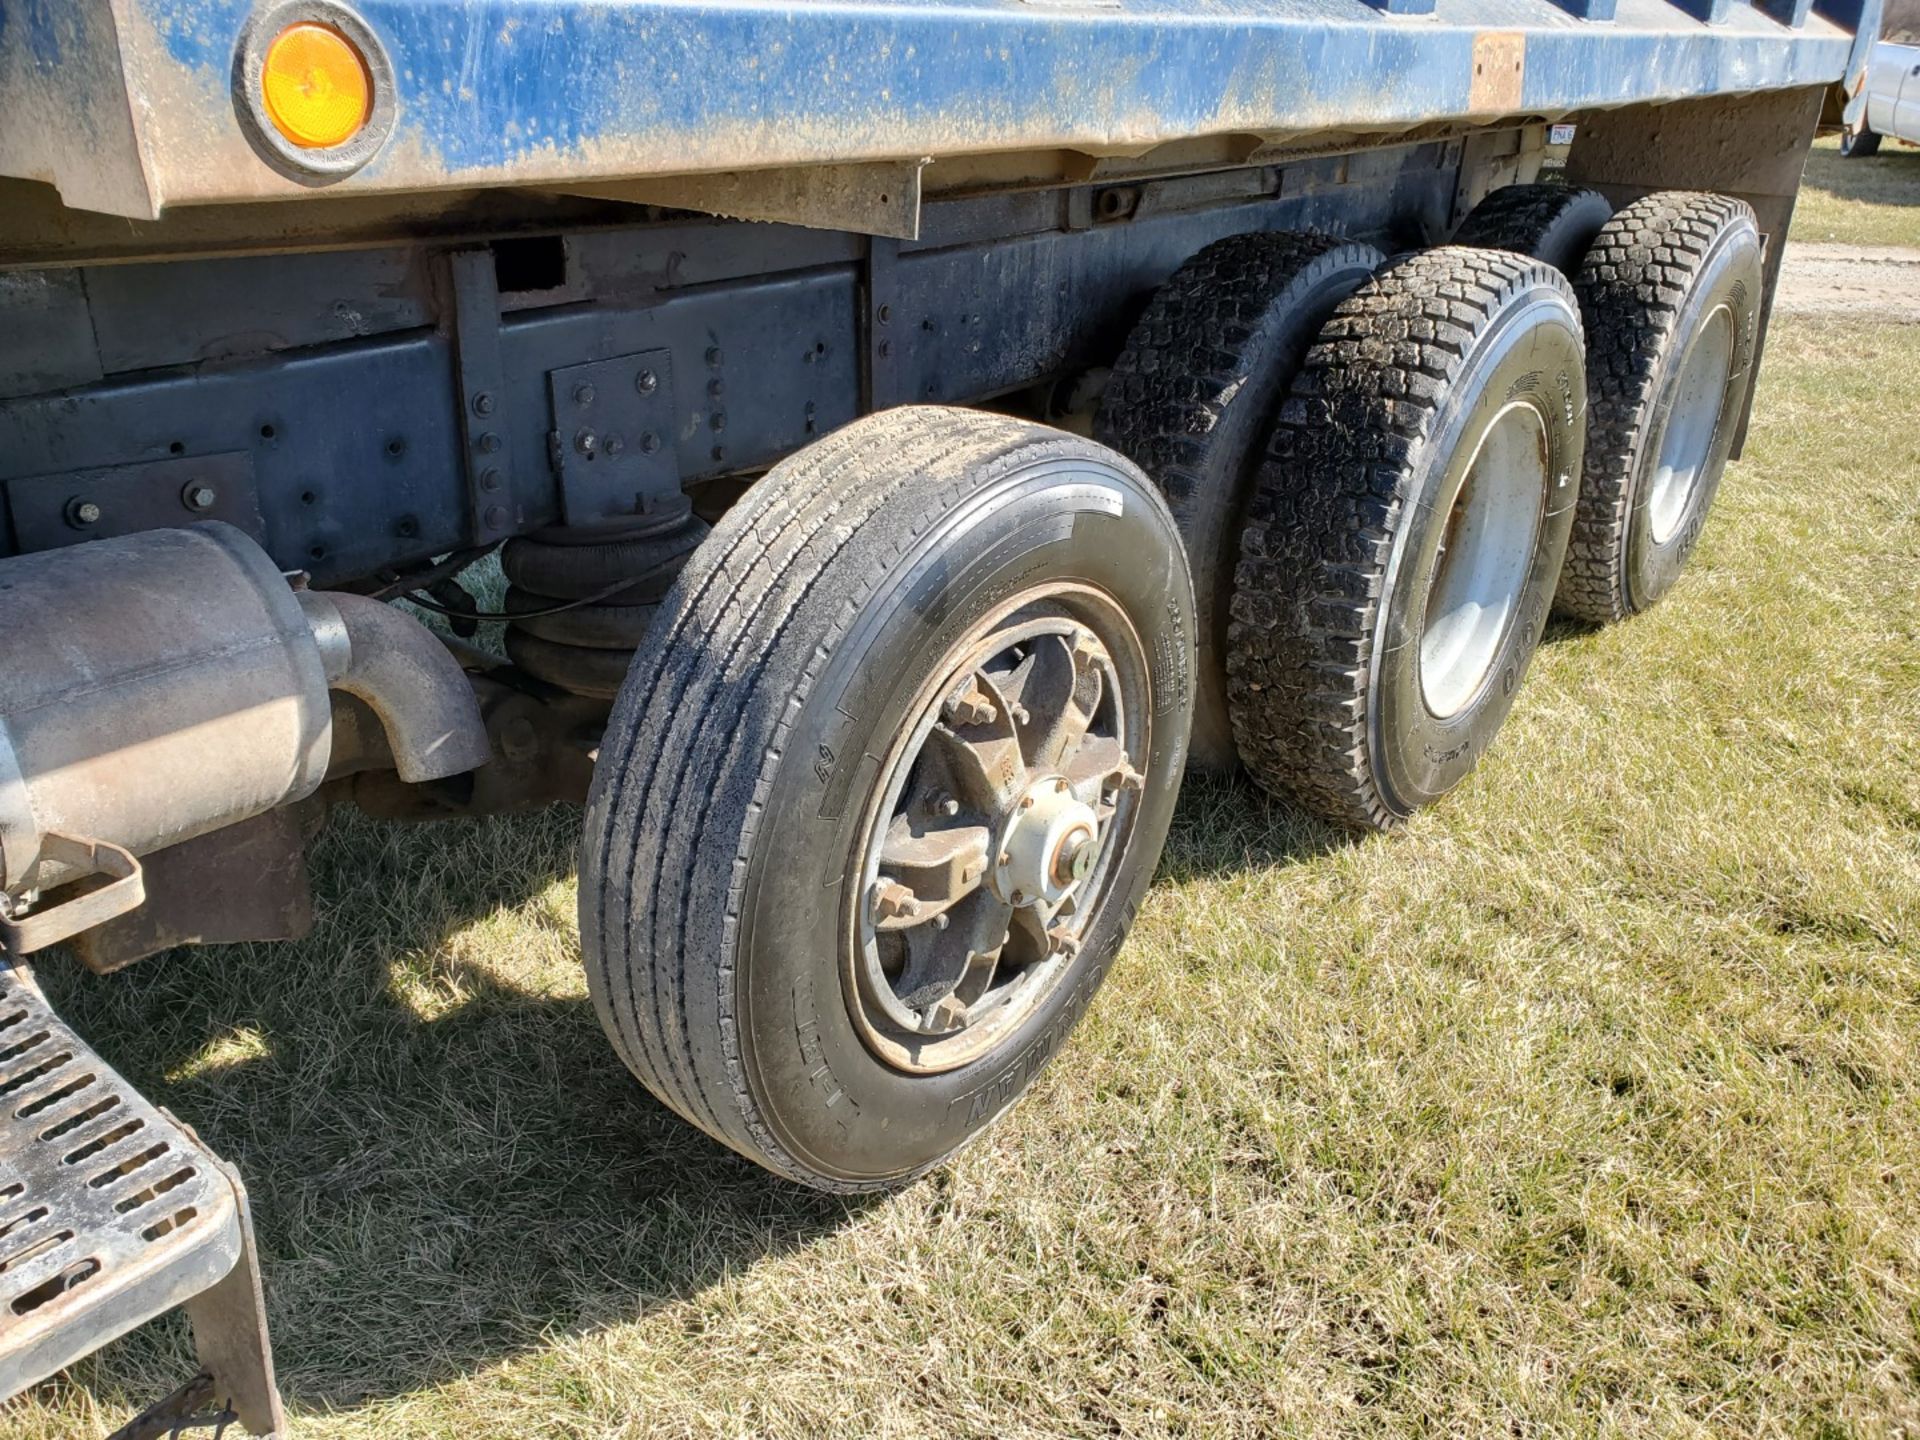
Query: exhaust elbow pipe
(411, 682)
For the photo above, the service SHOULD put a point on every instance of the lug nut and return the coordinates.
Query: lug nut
(893, 900)
(972, 708)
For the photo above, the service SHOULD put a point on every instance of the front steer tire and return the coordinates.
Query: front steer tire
(1365, 676)
(725, 916)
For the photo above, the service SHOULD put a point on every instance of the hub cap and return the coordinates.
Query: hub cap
(1692, 424)
(999, 821)
(1481, 564)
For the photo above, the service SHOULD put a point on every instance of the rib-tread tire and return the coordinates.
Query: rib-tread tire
(1634, 289)
(1312, 586)
(1192, 399)
(1554, 223)
(694, 750)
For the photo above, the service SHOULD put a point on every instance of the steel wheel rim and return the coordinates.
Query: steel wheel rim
(952, 861)
(1692, 424)
(1482, 556)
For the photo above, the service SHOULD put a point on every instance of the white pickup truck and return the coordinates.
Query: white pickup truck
(1893, 85)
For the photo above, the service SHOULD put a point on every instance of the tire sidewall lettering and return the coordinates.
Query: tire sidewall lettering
(796, 1036)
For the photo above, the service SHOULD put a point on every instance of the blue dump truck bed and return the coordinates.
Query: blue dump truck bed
(128, 106)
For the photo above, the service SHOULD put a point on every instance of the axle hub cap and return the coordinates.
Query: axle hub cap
(997, 826)
(1049, 847)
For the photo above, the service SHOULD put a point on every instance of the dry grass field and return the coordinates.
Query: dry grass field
(1589, 1105)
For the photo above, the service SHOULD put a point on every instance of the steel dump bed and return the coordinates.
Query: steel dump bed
(127, 106)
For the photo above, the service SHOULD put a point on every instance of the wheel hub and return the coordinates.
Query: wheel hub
(1480, 564)
(1693, 422)
(1000, 816)
(1051, 841)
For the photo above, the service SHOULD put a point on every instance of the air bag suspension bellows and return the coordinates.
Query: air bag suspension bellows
(159, 686)
(587, 648)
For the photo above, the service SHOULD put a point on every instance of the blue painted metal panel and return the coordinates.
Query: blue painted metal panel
(351, 445)
(533, 91)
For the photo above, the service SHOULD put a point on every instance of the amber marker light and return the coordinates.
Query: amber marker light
(315, 86)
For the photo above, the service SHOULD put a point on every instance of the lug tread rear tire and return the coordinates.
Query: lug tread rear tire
(1632, 287)
(1320, 527)
(1554, 223)
(700, 729)
(1208, 334)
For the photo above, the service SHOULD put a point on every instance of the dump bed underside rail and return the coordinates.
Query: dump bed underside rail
(128, 106)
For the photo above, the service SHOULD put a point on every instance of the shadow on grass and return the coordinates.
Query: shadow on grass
(449, 1165)
(1227, 823)
(1889, 178)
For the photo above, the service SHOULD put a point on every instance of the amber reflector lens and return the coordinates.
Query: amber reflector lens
(315, 86)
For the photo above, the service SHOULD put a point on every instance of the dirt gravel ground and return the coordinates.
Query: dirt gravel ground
(1880, 282)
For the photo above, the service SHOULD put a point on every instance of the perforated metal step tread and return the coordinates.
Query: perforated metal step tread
(110, 1211)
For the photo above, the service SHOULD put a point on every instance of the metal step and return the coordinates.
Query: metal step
(111, 1212)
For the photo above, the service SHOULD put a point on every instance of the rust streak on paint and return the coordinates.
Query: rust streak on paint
(1499, 68)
